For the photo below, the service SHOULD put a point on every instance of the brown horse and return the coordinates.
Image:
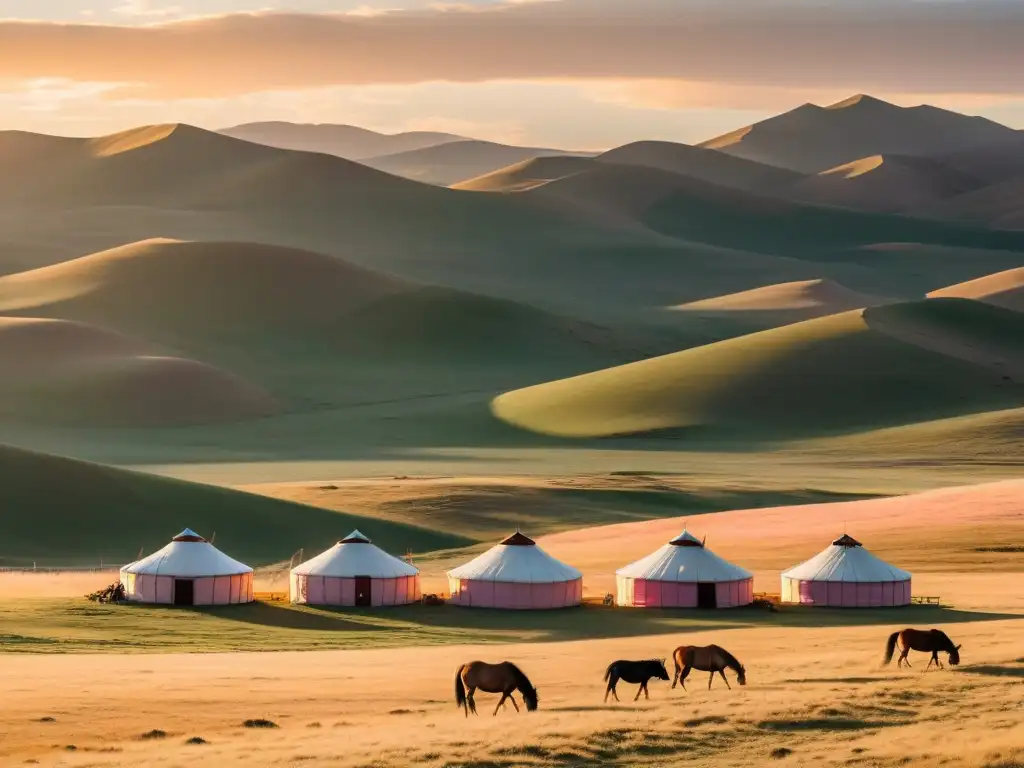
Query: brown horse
(708, 658)
(503, 678)
(928, 640)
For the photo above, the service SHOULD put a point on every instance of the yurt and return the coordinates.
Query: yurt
(684, 574)
(515, 574)
(848, 576)
(355, 572)
(188, 571)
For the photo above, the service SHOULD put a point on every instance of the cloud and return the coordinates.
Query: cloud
(145, 8)
(895, 46)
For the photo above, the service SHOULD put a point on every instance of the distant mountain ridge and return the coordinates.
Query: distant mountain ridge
(812, 138)
(348, 141)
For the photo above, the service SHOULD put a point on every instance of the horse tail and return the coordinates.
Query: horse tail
(608, 672)
(460, 689)
(890, 647)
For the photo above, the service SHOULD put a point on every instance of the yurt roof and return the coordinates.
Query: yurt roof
(684, 559)
(846, 560)
(355, 555)
(188, 555)
(516, 559)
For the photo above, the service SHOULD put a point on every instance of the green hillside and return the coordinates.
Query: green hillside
(832, 374)
(60, 511)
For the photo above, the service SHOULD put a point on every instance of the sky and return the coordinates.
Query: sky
(585, 74)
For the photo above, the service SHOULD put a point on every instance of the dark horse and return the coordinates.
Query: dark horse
(708, 658)
(503, 678)
(928, 640)
(633, 672)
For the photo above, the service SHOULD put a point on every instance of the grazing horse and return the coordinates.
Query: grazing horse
(503, 678)
(633, 672)
(927, 640)
(708, 658)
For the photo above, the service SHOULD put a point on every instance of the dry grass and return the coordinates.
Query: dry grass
(818, 698)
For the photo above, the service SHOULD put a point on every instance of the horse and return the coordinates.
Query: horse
(708, 658)
(927, 640)
(634, 672)
(503, 678)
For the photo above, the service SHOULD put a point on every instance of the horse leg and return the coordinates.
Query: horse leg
(501, 702)
(638, 692)
(513, 700)
(610, 689)
(643, 685)
(722, 673)
(675, 676)
(471, 701)
(931, 661)
(682, 676)
(711, 679)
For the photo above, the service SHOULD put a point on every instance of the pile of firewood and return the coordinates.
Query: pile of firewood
(112, 594)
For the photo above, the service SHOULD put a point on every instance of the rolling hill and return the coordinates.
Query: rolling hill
(527, 174)
(172, 287)
(64, 373)
(990, 162)
(61, 511)
(700, 163)
(346, 141)
(811, 139)
(1003, 289)
(305, 325)
(997, 205)
(800, 300)
(696, 210)
(457, 161)
(844, 372)
(885, 183)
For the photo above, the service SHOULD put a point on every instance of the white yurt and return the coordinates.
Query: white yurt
(355, 572)
(684, 574)
(515, 574)
(188, 571)
(848, 576)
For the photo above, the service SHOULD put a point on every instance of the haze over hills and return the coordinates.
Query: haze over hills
(696, 162)
(457, 161)
(347, 300)
(811, 139)
(347, 141)
(885, 183)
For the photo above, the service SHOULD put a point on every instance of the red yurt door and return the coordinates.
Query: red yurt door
(363, 584)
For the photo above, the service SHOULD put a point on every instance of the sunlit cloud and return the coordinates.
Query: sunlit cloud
(897, 46)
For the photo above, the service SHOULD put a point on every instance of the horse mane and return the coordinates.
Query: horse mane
(949, 644)
(522, 681)
(730, 660)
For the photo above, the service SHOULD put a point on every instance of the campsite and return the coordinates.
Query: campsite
(511, 384)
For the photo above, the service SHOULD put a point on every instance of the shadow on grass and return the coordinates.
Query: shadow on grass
(993, 670)
(827, 724)
(583, 622)
(833, 680)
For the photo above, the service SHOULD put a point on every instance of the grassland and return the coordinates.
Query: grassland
(68, 512)
(825, 702)
(838, 373)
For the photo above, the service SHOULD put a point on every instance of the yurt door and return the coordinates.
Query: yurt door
(362, 591)
(706, 595)
(184, 591)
